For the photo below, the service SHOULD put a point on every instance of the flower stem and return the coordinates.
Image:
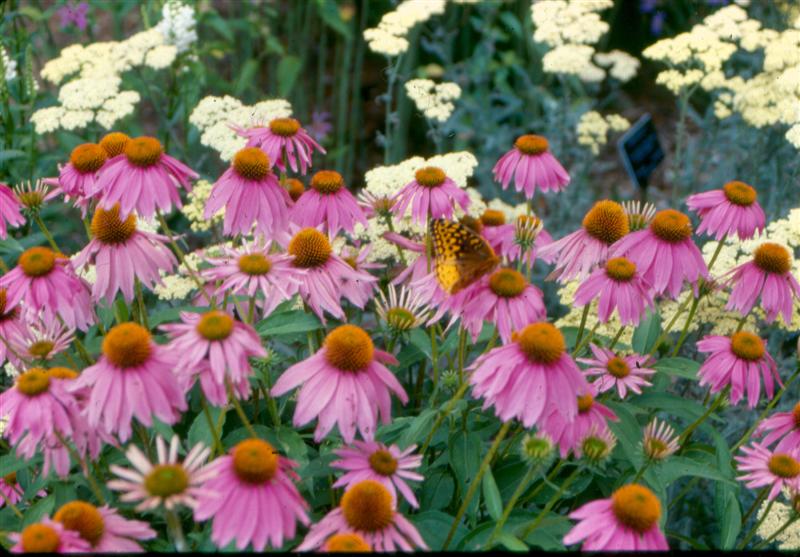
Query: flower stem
(551, 503)
(175, 530)
(779, 531)
(239, 410)
(586, 340)
(717, 251)
(93, 485)
(523, 485)
(142, 308)
(218, 448)
(182, 257)
(616, 338)
(456, 397)
(46, 232)
(756, 526)
(11, 505)
(686, 435)
(685, 331)
(476, 482)
(582, 326)
(665, 333)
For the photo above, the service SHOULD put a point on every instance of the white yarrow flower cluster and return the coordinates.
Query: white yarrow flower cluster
(213, 116)
(622, 66)
(389, 37)
(593, 129)
(573, 59)
(9, 64)
(194, 209)
(779, 513)
(432, 99)
(178, 25)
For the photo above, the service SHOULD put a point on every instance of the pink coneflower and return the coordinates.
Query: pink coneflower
(732, 210)
(738, 361)
(294, 188)
(626, 521)
(659, 440)
(766, 468)
(219, 340)
(345, 542)
(367, 509)
(417, 269)
(143, 178)
(122, 253)
(33, 195)
(328, 277)
(522, 239)
(577, 254)
(403, 310)
(617, 286)
(768, 276)
(344, 383)
(167, 483)
(531, 165)
(505, 299)
(283, 137)
(133, 378)
(256, 478)
(616, 371)
(103, 528)
(10, 325)
(45, 281)
(10, 213)
(252, 269)
(113, 143)
(530, 377)
(569, 434)
(250, 194)
(385, 464)
(664, 253)
(783, 426)
(11, 490)
(39, 339)
(79, 175)
(48, 536)
(430, 195)
(328, 202)
(358, 258)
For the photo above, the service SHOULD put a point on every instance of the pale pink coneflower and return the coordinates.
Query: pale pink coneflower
(10, 213)
(419, 268)
(48, 536)
(12, 490)
(730, 211)
(103, 528)
(256, 478)
(738, 361)
(783, 427)
(358, 258)
(166, 483)
(345, 542)
(217, 339)
(385, 464)
(522, 239)
(767, 276)
(529, 378)
(431, 194)
(659, 440)
(251, 195)
(530, 164)
(664, 253)
(327, 202)
(79, 175)
(283, 137)
(616, 371)
(579, 253)
(345, 383)
(38, 340)
(46, 281)
(122, 254)
(134, 377)
(570, 434)
(143, 179)
(775, 470)
(367, 509)
(617, 286)
(402, 309)
(626, 521)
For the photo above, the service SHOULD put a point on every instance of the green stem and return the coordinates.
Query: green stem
(446, 412)
(616, 338)
(586, 340)
(93, 485)
(476, 482)
(686, 435)
(665, 333)
(176, 530)
(642, 470)
(182, 257)
(239, 410)
(551, 503)
(46, 232)
(582, 326)
(218, 448)
(720, 244)
(685, 331)
(11, 505)
(142, 308)
(523, 485)
(759, 499)
(756, 526)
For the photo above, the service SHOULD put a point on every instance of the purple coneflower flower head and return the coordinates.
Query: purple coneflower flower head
(529, 378)
(10, 325)
(402, 309)
(616, 371)
(385, 464)
(577, 254)
(103, 528)
(763, 467)
(294, 188)
(283, 137)
(39, 339)
(659, 440)
(327, 202)
(767, 276)
(345, 542)
(48, 536)
(783, 427)
(10, 210)
(358, 258)
(626, 521)
(79, 175)
(430, 195)
(46, 282)
(617, 286)
(419, 268)
(570, 434)
(143, 179)
(122, 254)
(256, 478)
(251, 195)
(114, 143)
(367, 509)
(218, 340)
(134, 377)
(345, 383)
(664, 253)
(733, 210)
(522, 239)
(738, 361)
(530, 164)
(73, 14)
(166, 483)
(252, 269)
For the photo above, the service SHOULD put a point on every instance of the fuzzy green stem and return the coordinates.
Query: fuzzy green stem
(582, 326)
(239, 410)
(46, 232)
(551, 503)
(218, 448)
(685, 331)
(756, 526)
(687, 434)
(446, 412)
(176, 530)
(523, 485)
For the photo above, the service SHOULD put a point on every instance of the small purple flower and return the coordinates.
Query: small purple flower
(73, 14)
(647, 6)
(657, 23)
(320, 125)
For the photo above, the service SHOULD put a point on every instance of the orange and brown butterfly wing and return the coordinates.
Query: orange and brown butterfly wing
(461, 256)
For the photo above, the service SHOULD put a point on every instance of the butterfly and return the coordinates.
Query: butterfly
(460, 255)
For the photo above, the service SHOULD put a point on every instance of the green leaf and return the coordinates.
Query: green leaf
(8, 154)
(433, 526)
(512, 23)
(646, 334)
(421, 341)
(39, 509)
(329, 13)
(200, 432)
(288, 71)
(437, 490)
(10, 463)
(685, 408)
(465, 460)
(288, 323)
(491, 495)
(679, 466)
(512, 543)
(418, 428)
(219, 25)
(679, 367)
(246, 77)
(164, 430)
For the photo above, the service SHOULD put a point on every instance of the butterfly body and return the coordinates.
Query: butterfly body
(461, 256)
